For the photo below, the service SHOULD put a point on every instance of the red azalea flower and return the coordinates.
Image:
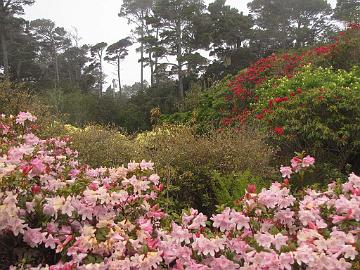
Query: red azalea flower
(159, 188)
(271, 101)
(26, 169)
(35, 189)
(279, 131)
(286, 182)
(251, 188)
(278, 100)
(226, 121)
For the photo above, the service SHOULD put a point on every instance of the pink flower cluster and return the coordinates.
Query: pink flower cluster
(108, 218)
(23, 116)
(297, 164)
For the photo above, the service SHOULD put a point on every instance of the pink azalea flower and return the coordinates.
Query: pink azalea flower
(279, 241)
(132, 166)
(222, 221)
(23, 116)
(207, 246)
(296, 163)
(238, 245)
(223, 263)
(38, 167)
(5, 129)
(286, 171)
(198, 221)
(241, 221)
(180, 235)
(74, 172)
(31, 139)
(33, 237)
(264, 239)
(15, 155)
(50, 242)
(286, 260)
(144, 165)
(154, 178)
(308, 161)
(145, 224)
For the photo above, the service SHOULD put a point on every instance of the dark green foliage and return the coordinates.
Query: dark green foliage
(347, 53)
(207, 113)
(229, 188)
(347, 10)
(12, 248)
(283, 24)
(10, 29)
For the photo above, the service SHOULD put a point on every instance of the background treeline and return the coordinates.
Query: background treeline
(182, 42)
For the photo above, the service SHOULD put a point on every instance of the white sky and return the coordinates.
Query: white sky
(96, 21)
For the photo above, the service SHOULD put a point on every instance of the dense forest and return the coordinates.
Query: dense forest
(241, 152)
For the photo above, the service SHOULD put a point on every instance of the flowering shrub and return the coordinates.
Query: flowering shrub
(242, 93)
(65, 215)
(278, 91)
(63, 210)
(315, 111)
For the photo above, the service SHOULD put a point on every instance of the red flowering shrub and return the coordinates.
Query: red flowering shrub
(242, 88)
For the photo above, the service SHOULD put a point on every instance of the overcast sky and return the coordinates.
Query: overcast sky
(96, 21)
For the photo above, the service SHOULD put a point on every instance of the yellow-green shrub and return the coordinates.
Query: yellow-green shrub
(187, 160)
(101, 146)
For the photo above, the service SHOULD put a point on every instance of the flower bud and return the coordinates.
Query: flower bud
(251, 188)
(35, 189)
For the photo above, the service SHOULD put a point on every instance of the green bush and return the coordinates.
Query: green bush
(230, 188)
(101, 146)
(316, 111)
(207, 107)
(187, 160)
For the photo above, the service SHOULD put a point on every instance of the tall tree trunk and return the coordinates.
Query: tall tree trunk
(77, 73)
(18, 70)
(156, 78)
(179, 60)
(119, 78)
(142, 50)
(297, 36)
(57, 69)
(101, 77)
(4, 53)
(4, 44)
(151, 69)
